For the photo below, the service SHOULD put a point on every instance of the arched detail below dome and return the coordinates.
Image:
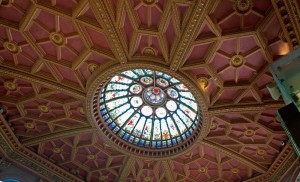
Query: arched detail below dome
(158, 150)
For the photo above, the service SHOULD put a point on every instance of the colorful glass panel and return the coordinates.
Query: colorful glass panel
(171, 105)
(162, 82)
(136, 101)
(154, 95)
(172, 93)
(149, 108)
(146, 80)
(161, 112)
(136, 89)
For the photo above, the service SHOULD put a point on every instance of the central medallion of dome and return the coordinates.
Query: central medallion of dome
(154, 96)
(150, 110)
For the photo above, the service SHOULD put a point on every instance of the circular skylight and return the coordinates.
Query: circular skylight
(149, 109)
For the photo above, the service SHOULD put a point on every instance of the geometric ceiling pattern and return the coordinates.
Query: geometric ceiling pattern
(50, 52)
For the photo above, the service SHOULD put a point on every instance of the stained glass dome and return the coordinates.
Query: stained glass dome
(149, 109)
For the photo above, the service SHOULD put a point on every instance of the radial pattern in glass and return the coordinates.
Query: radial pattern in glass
(149, 108)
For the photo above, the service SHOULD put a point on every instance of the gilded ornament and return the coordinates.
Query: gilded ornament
(10, 86)
(147, 178)
(30, 125)
(260, 152)
(243, 6)
(203, 82)
(11, 47)
(150, 51)
(234, 170)
(81, 111)
(57, 150)
(202, 170)
(149, 2)
(57, 38)
(213, 126)
(237, 61)
(91, 157)
(249, 133)
(44, 108)
(92, 67)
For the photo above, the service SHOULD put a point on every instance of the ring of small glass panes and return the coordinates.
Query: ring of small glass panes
(149, 109)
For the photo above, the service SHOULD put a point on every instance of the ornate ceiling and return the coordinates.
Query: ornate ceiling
(51, 51)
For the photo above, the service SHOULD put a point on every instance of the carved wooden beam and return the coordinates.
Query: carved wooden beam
(42, 81)
(102, 16)
(287, 12)
(191, 31)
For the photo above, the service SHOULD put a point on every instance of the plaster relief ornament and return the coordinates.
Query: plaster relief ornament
(243, 6)
(237, 61)
(149, 2)
(11, 47)
(57, 38)
(10, 86)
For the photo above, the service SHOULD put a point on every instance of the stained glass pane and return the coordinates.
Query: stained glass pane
(136, 89)
(115, 103)
(148, 72)
(147, 129)
(162, 82)
(172, 93)
(164, 130)
(171, 105)
(174, 80)
(114, 86)
(131, 123)
(130, 74)
(149, 108)
(188, 111)
(140, 72)
(172, 128)
(114, 94)
(184, 118)
(147, 111)
(146, 80)
(158, 73)
(116, 112)
(124, 117)
(121, 79)
(179, 123)
(189, 103)
(161, 112)
(156, 130)
(139, 127)
(181, 87)
(187, 95)
(136, 101)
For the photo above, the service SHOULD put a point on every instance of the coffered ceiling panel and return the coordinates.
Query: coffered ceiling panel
(52, 51)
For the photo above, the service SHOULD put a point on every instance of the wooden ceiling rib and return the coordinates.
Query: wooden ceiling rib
(51, 51)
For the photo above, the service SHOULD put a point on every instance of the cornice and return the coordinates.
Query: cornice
(57, 135)
(245, 108)
(287, 12)
(236, 156)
